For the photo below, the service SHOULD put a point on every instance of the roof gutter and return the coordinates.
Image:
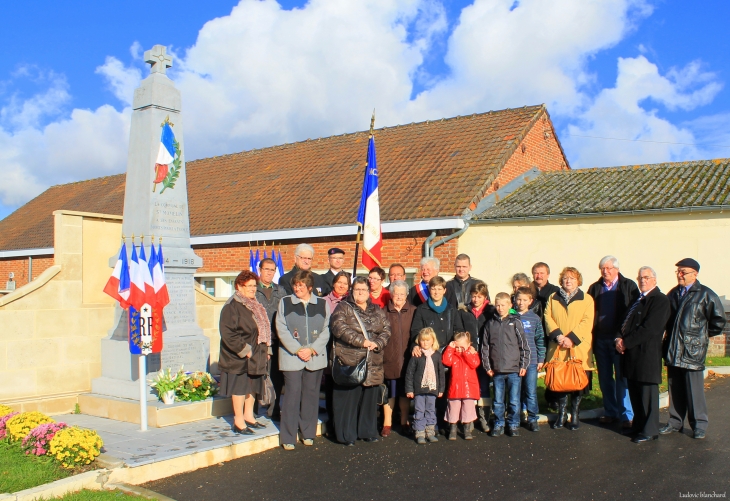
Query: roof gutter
(48, 251)
(558, 217)
(328, 231)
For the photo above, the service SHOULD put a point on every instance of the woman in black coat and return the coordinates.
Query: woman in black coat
(436, 313)
(244, 351)
(640, 344)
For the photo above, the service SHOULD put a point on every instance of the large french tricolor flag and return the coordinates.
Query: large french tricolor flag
(368, 216)
(144, 269)
(162, 298)
(119, 283)
(165, 154)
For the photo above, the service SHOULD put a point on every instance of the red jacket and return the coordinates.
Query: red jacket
(464, 381)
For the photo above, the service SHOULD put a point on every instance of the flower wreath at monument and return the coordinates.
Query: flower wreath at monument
(168, 154)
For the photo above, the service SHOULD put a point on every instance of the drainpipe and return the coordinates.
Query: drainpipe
(425, 244)
(449, 237)
(30, 269)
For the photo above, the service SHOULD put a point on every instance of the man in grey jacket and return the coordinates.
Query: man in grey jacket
(696, 315)
(268, 294)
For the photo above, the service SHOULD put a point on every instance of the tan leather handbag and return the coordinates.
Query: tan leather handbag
(565, 375)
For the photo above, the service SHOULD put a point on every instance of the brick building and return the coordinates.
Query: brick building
(432, 175)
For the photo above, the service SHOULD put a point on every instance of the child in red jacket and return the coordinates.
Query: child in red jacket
(463, 393)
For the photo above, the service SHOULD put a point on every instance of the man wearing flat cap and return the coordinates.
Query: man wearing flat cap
(696, 316)
(336, 258)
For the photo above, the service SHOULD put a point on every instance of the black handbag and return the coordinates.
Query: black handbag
(382, 394)
(351, 375)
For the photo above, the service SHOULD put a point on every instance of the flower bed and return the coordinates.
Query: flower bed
(35, 450)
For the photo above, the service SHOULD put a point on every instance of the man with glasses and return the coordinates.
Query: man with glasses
(268, 294)
(336, 258)
(613, 294)
(303, 256)
(696, 315)
(396, 272)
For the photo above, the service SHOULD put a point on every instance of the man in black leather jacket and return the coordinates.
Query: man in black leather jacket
(696, 315)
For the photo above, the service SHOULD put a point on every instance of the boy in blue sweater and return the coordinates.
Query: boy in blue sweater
(536, 340)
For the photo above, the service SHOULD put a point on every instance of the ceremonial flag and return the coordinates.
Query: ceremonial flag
(118, 284)
(137, 286)
(256, 261)
(251, 261)
(162, 298)
(280, 266)
(144, 268)
(277, 260)
(368, 216)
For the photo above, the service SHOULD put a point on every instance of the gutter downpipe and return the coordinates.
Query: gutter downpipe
(426, 247)
(30, 269)
(448, 237)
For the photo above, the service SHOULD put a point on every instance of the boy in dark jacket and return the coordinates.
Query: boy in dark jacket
(505, 356)
(535, 337)
(425, 381)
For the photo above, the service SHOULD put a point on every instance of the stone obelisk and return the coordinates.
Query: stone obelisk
(156, 203)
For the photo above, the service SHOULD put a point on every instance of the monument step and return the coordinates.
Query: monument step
(159, 415)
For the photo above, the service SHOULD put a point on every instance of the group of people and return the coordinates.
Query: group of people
(442, 344)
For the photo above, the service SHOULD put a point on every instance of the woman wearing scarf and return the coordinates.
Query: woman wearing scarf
(569, 319)
(302, 325)
(473, 316)
(244, 352)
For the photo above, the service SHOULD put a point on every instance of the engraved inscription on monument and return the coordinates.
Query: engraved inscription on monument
(170, 217)
(181, 288)
(190, 354)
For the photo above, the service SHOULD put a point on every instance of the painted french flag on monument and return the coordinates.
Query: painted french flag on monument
(165, 154)
(368, 216)
(118, 284)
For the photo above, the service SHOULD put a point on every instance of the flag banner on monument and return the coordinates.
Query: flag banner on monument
(162, 297)
(145, 330)
(118, 284)
(368, 216)
(137, 287)
(144, 268)
(165, 153)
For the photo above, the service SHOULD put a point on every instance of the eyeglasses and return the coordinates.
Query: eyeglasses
(304, 258)
(269, 269)
(361, 290)
(644, 278)
(685, 272)
(375, 279)
(250, 286)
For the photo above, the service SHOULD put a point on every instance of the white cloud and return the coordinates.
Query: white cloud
(121, 80)
(264, 75)
(621, 112)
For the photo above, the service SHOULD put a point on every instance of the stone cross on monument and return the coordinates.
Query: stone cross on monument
(158, 58)
(156, 121)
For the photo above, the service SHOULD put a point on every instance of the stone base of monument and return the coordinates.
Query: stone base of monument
(159, 415)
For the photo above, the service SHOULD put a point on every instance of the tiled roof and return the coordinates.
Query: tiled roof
(427, 170)
(703, 183)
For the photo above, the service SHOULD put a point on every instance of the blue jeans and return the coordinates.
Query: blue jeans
(425, 411)
(506, 385)
(529, 393)
(616, 401)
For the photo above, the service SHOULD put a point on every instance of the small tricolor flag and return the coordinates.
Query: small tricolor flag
(368, 216)
(119, 283)
(137, 292)
(144, 269)
(162, 297)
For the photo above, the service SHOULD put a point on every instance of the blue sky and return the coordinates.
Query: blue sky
(652, 71)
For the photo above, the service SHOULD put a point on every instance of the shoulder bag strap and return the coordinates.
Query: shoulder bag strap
(362, 326)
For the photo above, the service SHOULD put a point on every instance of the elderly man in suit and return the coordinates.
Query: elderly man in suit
(640, 346)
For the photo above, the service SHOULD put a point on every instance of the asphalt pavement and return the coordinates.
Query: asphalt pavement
(594, 462)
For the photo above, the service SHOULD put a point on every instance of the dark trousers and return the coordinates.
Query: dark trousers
(301, 405)
(356, 412)
(645, 404)
(687, 398)
(329, 386)
(277, 379)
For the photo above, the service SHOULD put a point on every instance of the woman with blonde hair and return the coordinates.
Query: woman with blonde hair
(569, 318)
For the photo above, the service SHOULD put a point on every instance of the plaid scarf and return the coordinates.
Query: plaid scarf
(567, 297)
(259, 316)
(429, 375)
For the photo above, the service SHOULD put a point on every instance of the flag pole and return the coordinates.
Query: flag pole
(359, 226)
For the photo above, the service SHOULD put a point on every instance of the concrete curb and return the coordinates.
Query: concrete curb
(139, 491)
(93, 480)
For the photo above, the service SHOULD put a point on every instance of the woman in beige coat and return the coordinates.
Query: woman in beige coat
(569, 318)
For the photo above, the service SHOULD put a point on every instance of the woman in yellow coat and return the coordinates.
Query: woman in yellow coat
(569, 319)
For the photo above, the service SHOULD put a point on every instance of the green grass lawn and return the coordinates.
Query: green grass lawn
(717, 361)
(87, 495)
(18, 471)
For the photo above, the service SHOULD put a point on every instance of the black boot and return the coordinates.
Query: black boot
(575, 413)
(481, 412)
(453, 431)
(562, 412)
